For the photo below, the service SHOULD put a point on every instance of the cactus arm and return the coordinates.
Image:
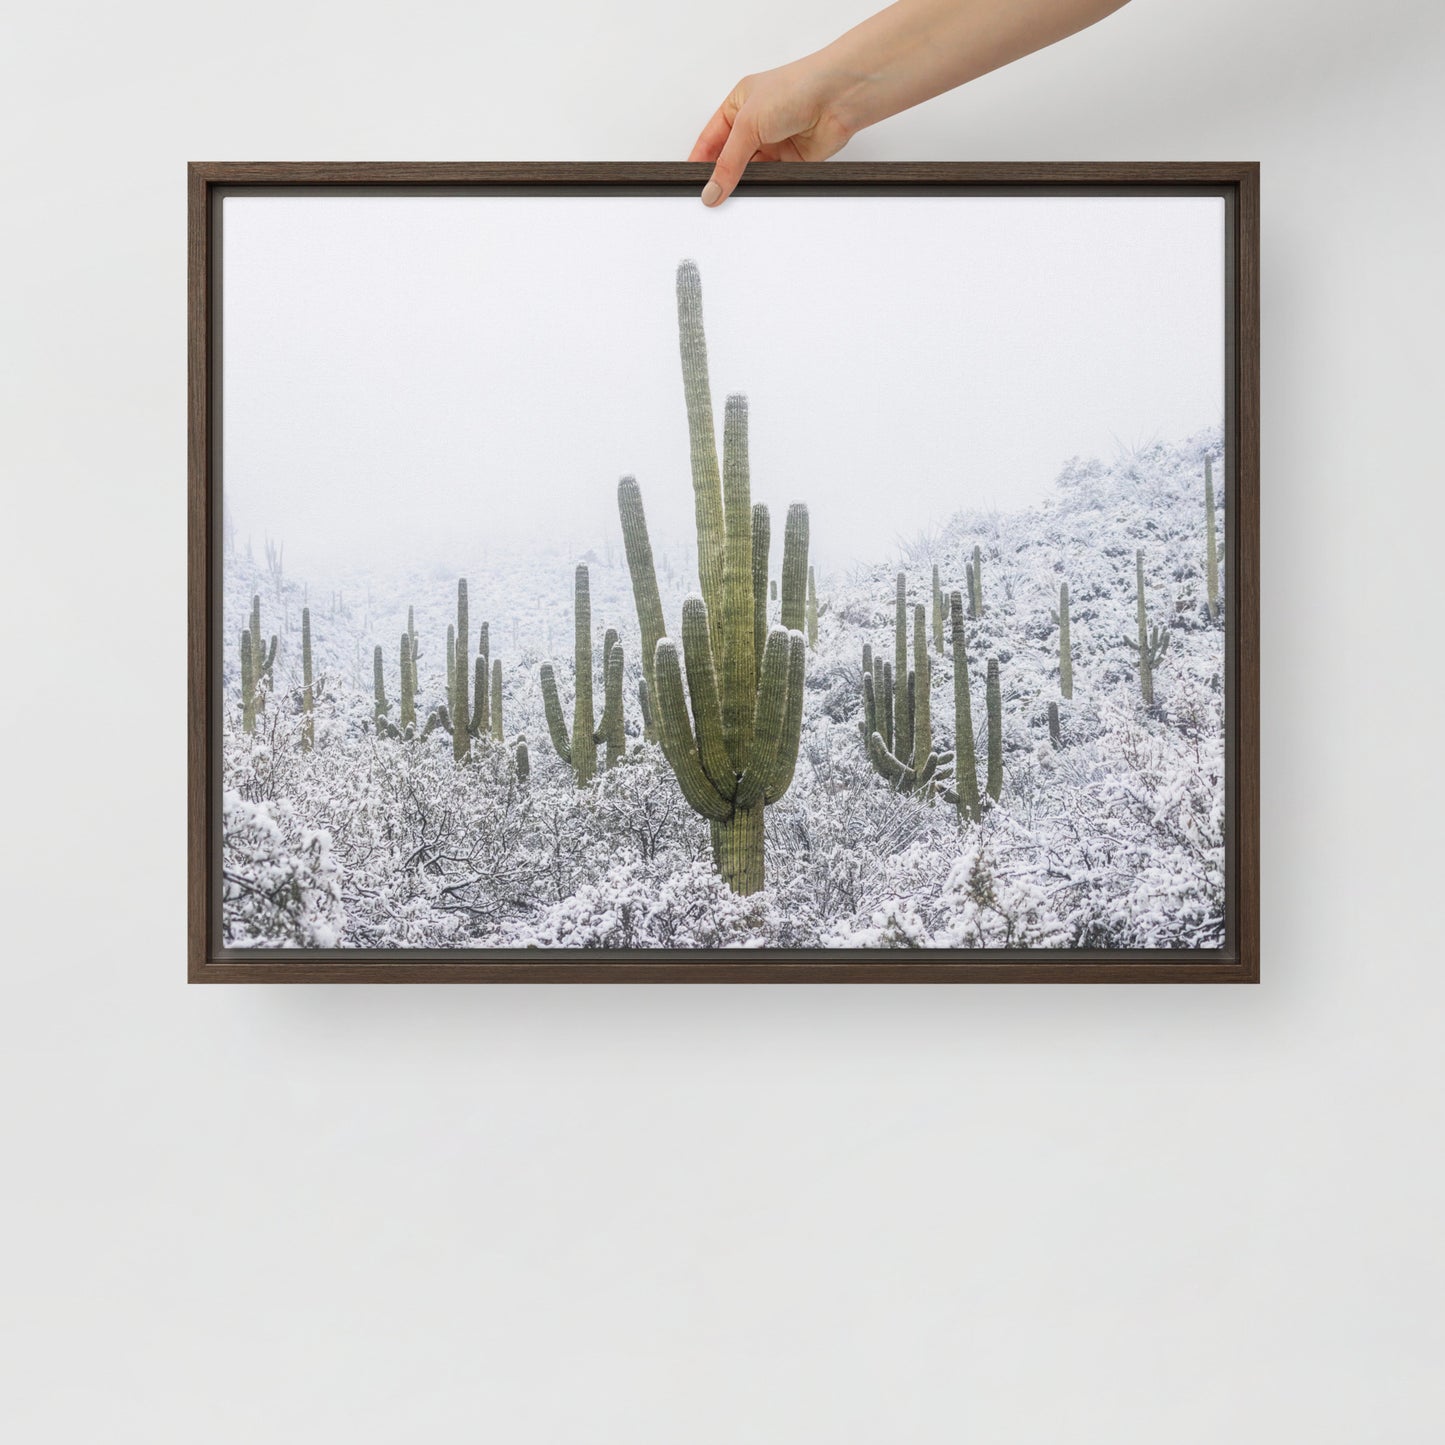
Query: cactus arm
(785, 763)
(676, 735)
(738, 670)
(552, 707)
(380, 706)
(870, 705)
(769, 722)
(762, 541)
(643, 572)
(702, 438)
(702, 685)
(889, 703)
(795, 568)
(479, 724)
(644, 706)
(614, 733)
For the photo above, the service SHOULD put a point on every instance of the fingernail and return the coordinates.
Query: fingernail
(711, 193)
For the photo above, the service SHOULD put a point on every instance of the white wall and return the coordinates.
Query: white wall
(716, 1215)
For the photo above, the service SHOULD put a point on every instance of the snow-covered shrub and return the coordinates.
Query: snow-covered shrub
(280, 884)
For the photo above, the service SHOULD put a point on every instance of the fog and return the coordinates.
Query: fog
(421, 377)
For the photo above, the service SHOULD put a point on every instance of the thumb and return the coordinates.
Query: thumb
(739, 148)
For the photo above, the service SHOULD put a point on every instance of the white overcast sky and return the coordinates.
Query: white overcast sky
(399, 371)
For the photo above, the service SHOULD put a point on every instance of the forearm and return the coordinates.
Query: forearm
(917, 49)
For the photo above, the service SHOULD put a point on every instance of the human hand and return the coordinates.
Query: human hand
(787, 114)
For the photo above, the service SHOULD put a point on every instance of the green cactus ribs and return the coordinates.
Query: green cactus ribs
(1151, 644)
(579, 750)
(730, 732)
(258, 668)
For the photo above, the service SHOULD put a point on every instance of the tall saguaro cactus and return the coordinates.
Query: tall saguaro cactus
(248, 683)
(579, 751)
(993, 697)
(612, 729)
(937, 612)
(731, 733)
(1211, 541)
(461, 679)
(1152, 644)
(262, 664)
(965, 768)
(977, 581)
(1066, 653)
(812, 609)
(308, 723)
(900, 657)
(496, 706)
(407, 718)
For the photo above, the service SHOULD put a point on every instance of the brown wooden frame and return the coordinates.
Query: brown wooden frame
(1237, 962)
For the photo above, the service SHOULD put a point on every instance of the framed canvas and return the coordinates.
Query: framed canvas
(857, 583)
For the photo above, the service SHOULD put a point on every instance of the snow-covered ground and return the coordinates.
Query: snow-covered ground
(1115, 840)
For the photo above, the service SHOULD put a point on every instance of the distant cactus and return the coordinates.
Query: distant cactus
(812, 609)
(965, 768)
(461, 707)
(971, 592)
(1211, 545)
(977, 581)
(263, 660)
(937, 612)
(481, 720)
(248, 683)
(496, 708)
(407, 717)
(524, 763)
(579, 751)
(308, 723)
(1056, 735)
(747, 708)
(1066, 652)
(903, 736)
(1152, 644)
(612, 729)
(994, 698)
(773, 589)
(912, 764)
(381, 707)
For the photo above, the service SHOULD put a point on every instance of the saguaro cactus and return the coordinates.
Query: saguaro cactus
(1211, 541)
(937, 612)
(496, 708)
(481, 720)
(248, 683)
(965, 768)
(1056, 734)
(912, 764)
(1066, 653)
(263, 663)
(461, 679)
(612, 728)
(381, 707)
(993, 696)
(812, 609)
(747, 708)
(579, 751)
(308, 723)
(977, 584)
(1152, 644)
(900, 658)
(524, 763)
(407, 717)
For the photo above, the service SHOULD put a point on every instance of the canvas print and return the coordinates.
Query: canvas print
(830, 572)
